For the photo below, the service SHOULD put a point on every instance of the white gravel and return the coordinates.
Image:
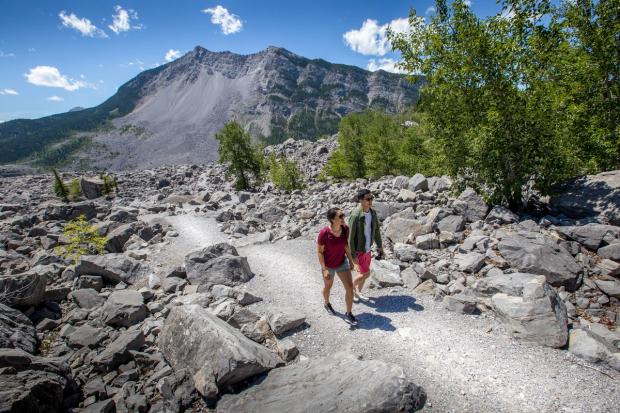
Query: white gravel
(465, 363)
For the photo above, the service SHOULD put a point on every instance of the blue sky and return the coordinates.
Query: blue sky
(56, 55)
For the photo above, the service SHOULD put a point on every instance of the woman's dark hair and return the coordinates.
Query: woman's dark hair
(362, 193)
(331, 213)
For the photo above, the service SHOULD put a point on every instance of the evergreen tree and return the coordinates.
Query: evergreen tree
(244, 160)
(60, 189)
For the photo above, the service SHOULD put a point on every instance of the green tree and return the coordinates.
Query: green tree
(75, 189)
(60, 189)
(527, 96)
(285, 173)
(244, 160)
(83, 239)
(109, 184)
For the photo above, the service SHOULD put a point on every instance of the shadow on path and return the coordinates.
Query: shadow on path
(393, 304)
(369, 321)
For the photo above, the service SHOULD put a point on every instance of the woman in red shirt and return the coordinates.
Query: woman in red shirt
(335, 258)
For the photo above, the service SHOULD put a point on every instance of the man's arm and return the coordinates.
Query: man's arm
(352, 234)
(377, 233)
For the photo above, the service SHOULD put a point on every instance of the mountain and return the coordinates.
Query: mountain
(170, 114)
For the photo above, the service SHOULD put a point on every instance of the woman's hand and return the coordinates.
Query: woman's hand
(326, 273)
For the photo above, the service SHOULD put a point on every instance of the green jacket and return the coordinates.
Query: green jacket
(357, 239)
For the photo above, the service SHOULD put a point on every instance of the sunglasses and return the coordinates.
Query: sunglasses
(341, 216)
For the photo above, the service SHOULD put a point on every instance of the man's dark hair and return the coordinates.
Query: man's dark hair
(331, 213)
(361, 194)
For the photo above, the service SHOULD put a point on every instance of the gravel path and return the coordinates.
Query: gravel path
(465, 363)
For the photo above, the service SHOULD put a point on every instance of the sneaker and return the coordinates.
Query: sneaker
(328, 307)
(349, 318)
(360, 296)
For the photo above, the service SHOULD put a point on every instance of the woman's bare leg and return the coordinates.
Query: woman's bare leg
(327, 286)
(347, 282)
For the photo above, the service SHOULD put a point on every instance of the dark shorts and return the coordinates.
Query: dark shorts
(344, 267)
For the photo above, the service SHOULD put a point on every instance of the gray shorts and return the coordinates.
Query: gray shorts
(344, 267)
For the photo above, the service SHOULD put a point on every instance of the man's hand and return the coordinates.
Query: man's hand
(352, 265)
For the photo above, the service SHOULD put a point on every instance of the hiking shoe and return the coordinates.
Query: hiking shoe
(360, 296)
(349, 318)
(328, 307)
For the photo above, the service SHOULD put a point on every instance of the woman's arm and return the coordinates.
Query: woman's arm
(320, 250)
(347, 251)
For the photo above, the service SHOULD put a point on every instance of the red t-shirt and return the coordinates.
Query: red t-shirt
(334, 246)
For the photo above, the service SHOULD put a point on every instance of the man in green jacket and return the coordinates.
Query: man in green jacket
(363, 232)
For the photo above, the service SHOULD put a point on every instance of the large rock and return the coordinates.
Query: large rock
(387, 209)
(118, 352)
(69, 211)
(588, 346)
(590, 235)
(534, 253)
(400, 229)
(471, 205)
(510, 284)
(32, 384)
(27, 288)
(16, 330)
(282, 320)
(501, 215)
(427, 242)
(418, 182)
(439, 183)
(325, 385)
(114, 268)
(538, 315)
(610, 287)
(217, 264)
(87, 298)
(216, 354)
(386, 274)
(92, 187)
(116, 239)
(471, 262)
(590, 196)
(451, 223)
(611, 252)
(124, 308)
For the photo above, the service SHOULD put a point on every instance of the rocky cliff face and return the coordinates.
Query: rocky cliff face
(169, 115)
(275, 94)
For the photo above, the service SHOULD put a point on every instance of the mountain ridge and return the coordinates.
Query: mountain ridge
(274, 93)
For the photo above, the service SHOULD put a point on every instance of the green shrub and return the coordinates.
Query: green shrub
(75, 189)
(84, 239)
(285, 174)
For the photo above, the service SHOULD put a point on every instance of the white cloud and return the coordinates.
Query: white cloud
(468, 3)
(387, 64)
(8, 92)
(83, 25)
(2, 54)
(229, 22)
(430, 10)
(121, 21)
(50, 76)
(172, 54)
(371, 38)
(55, 99)
(507, 14)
